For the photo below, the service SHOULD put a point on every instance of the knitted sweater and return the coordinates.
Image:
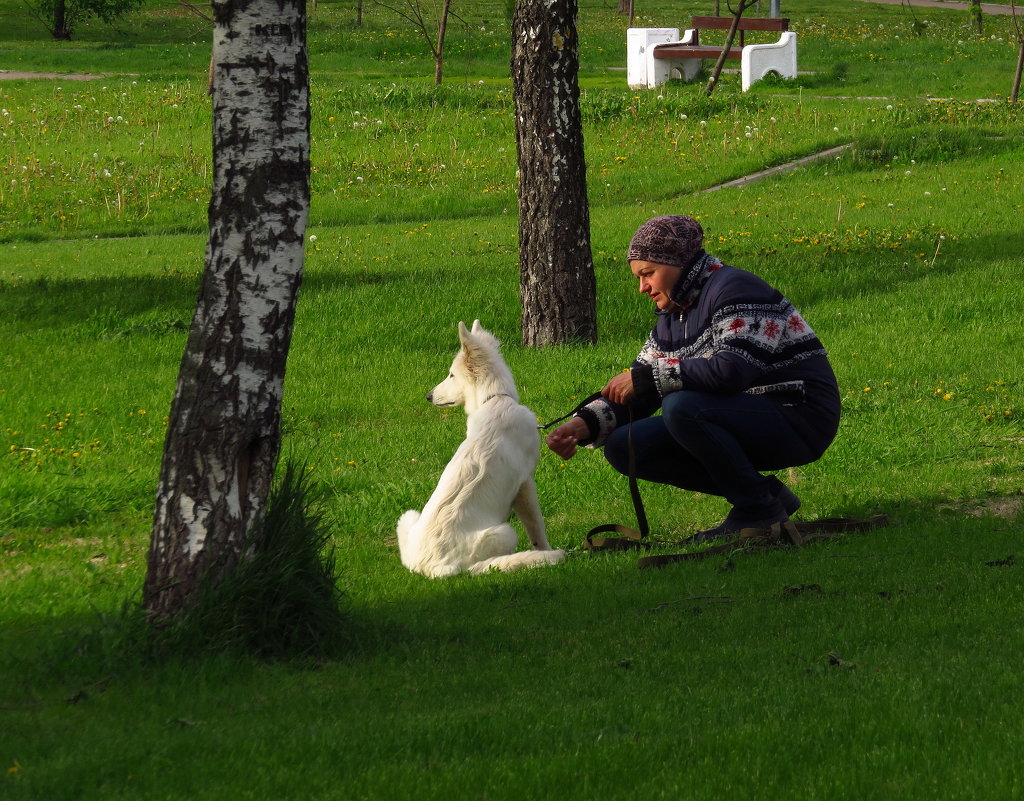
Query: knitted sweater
(730, 332)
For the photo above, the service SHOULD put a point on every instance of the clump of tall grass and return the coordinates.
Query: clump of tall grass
(281, 602)
(283, 599)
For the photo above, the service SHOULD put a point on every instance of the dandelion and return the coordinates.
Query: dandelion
(312, 237)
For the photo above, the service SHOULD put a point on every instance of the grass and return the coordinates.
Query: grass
(865, 667)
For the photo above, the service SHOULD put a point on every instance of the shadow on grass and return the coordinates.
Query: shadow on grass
(589, 599)
(114, 307)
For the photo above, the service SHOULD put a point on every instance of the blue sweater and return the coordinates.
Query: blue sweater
(731, 332)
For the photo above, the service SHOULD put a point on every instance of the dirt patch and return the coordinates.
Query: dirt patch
(12, 75)
(1003, 506)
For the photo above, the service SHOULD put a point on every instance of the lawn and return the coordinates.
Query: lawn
(870, 666)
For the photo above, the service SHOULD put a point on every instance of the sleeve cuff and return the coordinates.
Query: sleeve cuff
(645, 389)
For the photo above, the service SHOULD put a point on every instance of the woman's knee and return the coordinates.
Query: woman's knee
(616, 449)
(684, 405)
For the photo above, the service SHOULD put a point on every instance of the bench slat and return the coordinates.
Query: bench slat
(694, 51)
(746, 24)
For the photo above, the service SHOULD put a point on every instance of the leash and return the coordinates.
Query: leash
(629, 538)
(780, 534)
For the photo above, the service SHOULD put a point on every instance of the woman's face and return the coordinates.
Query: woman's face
(656, 281)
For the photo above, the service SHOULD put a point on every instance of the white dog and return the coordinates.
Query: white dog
(464, 525)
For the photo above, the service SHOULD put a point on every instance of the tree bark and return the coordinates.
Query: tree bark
(60, 32)
(224, 429)
(442, 30)
(1015, 91)
(974, 9)
(557, 284)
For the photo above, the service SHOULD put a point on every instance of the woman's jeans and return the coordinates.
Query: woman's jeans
(717, 445)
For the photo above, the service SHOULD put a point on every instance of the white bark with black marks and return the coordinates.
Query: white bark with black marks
(224, 429)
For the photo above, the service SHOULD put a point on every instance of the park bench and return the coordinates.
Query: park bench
(656, 55)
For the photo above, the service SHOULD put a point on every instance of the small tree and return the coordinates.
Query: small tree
(60, 17)
(974, 10)
(1020, 54)
(716, 73)
(412, 10)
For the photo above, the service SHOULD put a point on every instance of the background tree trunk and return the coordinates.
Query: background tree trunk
(224, 431)
(1015, 91)
(442, 30)
(60, 30)
(974, 10)
(557, 284)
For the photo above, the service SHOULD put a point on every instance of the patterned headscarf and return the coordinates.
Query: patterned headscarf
(670, 239)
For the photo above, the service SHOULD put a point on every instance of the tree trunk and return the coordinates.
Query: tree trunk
(974, 9)
(442, 30)
(60, 26)
(1016, 76)
(557, 284)
(224, 430)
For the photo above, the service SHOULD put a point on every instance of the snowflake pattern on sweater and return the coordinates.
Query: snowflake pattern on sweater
(769, 336)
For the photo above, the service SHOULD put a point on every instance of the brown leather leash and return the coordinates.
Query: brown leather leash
(779, 535)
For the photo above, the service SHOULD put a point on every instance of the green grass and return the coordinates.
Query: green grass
(872, 666)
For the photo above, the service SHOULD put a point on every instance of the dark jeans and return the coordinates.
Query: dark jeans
(717, 445)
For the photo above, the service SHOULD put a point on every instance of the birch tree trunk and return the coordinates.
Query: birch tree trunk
(557, 284)
(224, 431)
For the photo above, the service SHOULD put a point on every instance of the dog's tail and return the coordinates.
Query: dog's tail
(406, 522)
(515, 561)
(406, 547)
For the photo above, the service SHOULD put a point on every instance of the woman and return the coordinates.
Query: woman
(743, 383)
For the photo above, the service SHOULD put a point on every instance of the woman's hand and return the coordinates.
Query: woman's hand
(563, 440)
(619, 389)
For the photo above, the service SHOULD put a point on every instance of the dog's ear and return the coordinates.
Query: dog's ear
(477, 328)
(474, 359)
(465, 337)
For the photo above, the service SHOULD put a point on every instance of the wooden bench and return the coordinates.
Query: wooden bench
(655, 55)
